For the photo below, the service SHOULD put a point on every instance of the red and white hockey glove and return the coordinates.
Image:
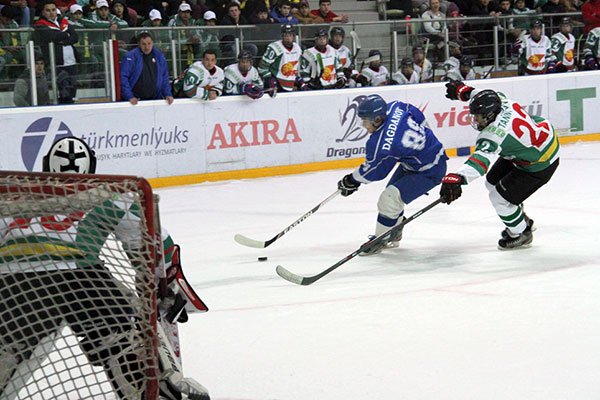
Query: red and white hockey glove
(451, 188)
(457, 90)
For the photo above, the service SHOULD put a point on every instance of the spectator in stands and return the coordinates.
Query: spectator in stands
(552, 22)
(187, 38)
(508, 24)
(119, 9)
(406, 74)
(520, 9)
(562, 48)
(103, 19)
(161, 38)
(250, 6)
(483, 30)
(22, 95)
(144, 73)
(208, 37)
(591, 15)
(202, 80)
(463, 72)
(422, 65)
(260, 16)
(11, 51)
(324, 11)
(20, 11)
(87, 57)
(407, 6)
(303, 14)
(51, 28)
(234, 15)
(434, 29)
(282, 13)
(374, 74)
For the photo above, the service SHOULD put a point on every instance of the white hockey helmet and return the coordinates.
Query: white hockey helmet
(70, 154)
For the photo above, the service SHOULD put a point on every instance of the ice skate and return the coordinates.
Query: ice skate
(394, 240)
(507, 242)
(376, 249)
(530, 226)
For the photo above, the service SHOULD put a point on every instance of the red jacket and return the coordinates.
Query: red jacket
(328, 18)
(591, 15)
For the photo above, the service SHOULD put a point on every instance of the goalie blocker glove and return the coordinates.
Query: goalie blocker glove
(451, 188)
(348, 185)
(252, 91)
(457, 90)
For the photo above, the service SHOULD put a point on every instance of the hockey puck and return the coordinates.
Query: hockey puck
(262, 258)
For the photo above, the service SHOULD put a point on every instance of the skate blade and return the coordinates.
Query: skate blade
(392, 245)
(523, 246)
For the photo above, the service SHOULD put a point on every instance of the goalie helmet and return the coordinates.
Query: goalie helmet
(70, 154)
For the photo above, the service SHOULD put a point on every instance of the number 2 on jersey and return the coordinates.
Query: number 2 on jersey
(538, 133)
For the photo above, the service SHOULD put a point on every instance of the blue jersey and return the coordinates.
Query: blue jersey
(403, 138)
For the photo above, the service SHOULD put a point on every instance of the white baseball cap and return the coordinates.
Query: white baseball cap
(209, 15)
(74, 8)
(101, 3)
(185, 7)
(155, 14)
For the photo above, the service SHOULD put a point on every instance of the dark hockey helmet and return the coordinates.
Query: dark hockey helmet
(321, 32)
(70, 154)
(565, 21)
(374, 52)
(536, 23)
(371, 107)
(486, 103)
(467, 61)
(245, 55)
(288, 29)
(336, 30)
(418, 48)
(406, 61)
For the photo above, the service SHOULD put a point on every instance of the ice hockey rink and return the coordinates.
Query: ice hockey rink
(445, 316)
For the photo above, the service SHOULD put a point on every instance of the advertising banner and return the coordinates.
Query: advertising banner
(235, 133)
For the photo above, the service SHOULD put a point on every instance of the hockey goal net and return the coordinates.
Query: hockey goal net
(78, 287)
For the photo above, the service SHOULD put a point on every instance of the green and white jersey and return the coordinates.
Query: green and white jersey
(562, 49)
(234, 79)
(530, 142)
(451, 63)
(344, 56)
(281, 63)
(533, 55)
(197, 81)
(401, 79)
(323, 65)
(456, 75)
(182, 36)
(94, 21)
(376, 78)
(592, 44)
(44, 243)
(427, 74)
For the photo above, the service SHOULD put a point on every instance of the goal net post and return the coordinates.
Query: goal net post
(79, 274)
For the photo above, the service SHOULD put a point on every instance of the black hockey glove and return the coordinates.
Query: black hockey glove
(315, 84)
(451, 189)
(457, 90)
(340, 83)
(361, 79)
(591, 63)
(348, 185)
(348, 73)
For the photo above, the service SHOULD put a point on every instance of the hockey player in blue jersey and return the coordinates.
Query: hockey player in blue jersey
(399, 135)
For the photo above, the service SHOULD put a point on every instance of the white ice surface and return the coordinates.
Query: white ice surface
(445, 316)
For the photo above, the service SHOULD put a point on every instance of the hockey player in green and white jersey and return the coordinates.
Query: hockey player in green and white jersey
(562, 48)
(201, 80)
(279, 64)
(463, 72)
(406, 74)
(374, 74)
(521, 149)
(591, 49)
(455, 55)
(243, 78)
(534, 51)
(52, 272)
(336, 40)
(423, 66)
(320, 66)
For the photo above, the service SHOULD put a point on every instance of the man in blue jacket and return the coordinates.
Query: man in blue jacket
(144, 73)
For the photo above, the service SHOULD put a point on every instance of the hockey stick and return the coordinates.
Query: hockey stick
(246, 241)
(488, 73)
(424, 60)
(356, 41)
(307, 280)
